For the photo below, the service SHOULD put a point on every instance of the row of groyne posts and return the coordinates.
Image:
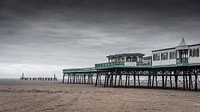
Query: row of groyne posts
(39, 78)
(186, 78)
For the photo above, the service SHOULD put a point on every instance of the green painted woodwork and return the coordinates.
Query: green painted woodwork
(90, 69)
(120, 64)
(183, 61)
(108, 65)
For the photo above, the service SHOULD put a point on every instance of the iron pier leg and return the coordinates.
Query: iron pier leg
(186, 81)
(190, 82)
(134, 80)
(97, 79)
(176, 81)
(170, 81)
(183, 82)
(138, 80)
(156, 81)
(63, 78)
(196, 78)
(153, 82)
(163, 81)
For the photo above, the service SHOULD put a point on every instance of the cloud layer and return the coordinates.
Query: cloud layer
(41, 34)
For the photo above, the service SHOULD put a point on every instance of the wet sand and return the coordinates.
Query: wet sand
(32, 96)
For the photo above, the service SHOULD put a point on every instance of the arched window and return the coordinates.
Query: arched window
(134, 59)
(112, 59)
(128, 59)
(119, 58)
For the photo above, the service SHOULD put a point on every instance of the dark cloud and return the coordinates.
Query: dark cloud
(49, 35)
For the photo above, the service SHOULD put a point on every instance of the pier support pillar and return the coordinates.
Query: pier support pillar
(63, 78)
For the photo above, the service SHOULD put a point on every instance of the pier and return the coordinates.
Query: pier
(39, 78)
(170, 68)
(176, 77)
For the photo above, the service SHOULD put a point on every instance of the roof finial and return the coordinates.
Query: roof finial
(132, 51)
(182, 43)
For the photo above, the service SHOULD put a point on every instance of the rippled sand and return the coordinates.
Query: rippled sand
(26, 96)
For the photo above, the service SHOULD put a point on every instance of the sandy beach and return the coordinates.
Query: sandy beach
(34, 96)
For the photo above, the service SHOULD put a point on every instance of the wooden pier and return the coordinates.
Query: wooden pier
(39, 78)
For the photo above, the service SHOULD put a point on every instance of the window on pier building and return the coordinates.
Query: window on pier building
(128, 59)
(134, 59)
(164, 56)
(191, 54)
(172, 55)
(119, 58)
(194, 52)
(139, 59)
(156, 57)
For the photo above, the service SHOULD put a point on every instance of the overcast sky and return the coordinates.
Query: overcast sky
(41, 37)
